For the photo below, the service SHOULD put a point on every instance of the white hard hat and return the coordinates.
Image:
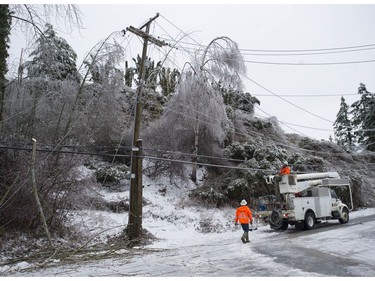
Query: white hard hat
(285, 163)
(243, 202)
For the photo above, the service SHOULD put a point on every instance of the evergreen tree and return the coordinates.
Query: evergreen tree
(238, 99)
(129, 74)
(5, 24)
(343, 126)
(155, 76)
(369, 124)
(361, 111)
(168, 80)
(150, 70)
(53, 58)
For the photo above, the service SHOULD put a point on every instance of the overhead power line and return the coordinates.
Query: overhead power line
(306, 95)
(261, 86)
(308, 63)
(302, 126)
(244, 52)
(154, 158)
(352, 48)
(311, 50)
(331, 122)
(248, 52)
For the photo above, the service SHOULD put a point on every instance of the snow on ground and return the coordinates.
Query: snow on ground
(184, 249)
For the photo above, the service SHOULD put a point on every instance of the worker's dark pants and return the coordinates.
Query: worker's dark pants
(245, 235)
(245, 227)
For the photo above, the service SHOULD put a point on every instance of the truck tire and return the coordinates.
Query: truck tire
(276, 220)
(345, 216)
(309, 220)
(284, 226)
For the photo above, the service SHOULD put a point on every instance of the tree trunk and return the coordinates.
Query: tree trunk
(36, 194)
(196, 142)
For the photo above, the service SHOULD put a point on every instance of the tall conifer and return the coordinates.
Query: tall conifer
(343, 126)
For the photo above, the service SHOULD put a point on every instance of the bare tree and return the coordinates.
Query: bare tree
(31, 18)
(195, 119)
(220, 64)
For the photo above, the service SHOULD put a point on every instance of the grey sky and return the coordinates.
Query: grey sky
(258, 27)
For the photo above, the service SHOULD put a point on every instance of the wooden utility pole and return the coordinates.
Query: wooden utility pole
(40, 208)
(134, 228)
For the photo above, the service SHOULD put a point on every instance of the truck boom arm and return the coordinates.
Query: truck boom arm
(294, 183)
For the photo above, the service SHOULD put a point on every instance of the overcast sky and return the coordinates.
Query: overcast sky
(315, 54)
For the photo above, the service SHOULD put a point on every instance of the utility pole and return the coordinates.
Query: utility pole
(134, 228)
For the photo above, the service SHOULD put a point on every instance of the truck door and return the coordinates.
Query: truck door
(335, 203)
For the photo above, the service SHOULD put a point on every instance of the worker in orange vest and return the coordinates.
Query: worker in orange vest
(244, 216)
(285, 169)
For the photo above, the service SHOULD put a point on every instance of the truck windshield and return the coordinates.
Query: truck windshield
(333, 194)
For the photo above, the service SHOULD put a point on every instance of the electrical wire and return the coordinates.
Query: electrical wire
(353, 48)
(264, 111)
(297, 54)
(307, 95)
(310, 64)
(280, 97)
(297, 125)
(313, 50)
(285, 123)
(158, 159)
(344, 49)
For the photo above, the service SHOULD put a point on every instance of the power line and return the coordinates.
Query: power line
(307, 95)
(281, 122)
(310, 64)
(188, 116)
(152, 158)
(322, 118)
(261, 86)
(256, 135)
(303, 126)
(305, 54)
(243, 52)
(312, 50)
(250, 101)
(352, 48)
(279, 97)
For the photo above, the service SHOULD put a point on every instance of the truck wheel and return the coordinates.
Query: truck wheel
(276, 220)
(309, 220)
(284, 226)
(345, 216)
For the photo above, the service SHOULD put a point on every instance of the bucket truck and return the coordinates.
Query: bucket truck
(306, 199)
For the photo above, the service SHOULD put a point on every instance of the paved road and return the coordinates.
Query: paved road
(301, 249)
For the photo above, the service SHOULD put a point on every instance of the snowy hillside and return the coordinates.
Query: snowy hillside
(166, 207)
(192, 240)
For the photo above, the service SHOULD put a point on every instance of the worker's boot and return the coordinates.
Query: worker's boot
(247, 237)
(243, 238)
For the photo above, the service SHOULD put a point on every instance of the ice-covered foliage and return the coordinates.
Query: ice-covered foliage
(53, 58)
(110, 174)
(343, 126)
(266, 147)
(193, 117)
(238, 100)
(222, 63)
(363, 113)
(259, 146)
(104, 62)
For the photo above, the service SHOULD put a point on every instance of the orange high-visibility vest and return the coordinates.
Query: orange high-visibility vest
(243, 215)
(285, 171)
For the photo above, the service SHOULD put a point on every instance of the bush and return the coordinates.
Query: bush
(59, 190)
